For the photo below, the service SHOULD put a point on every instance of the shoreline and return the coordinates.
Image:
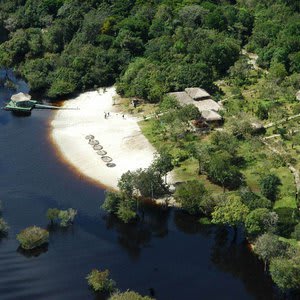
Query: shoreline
(119, 136)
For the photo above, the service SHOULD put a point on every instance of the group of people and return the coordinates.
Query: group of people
(107, 115)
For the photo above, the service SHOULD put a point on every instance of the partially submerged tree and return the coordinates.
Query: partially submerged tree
(268, 246)
(99, 281)
(33, 237)
(129, 295)
(64, 217)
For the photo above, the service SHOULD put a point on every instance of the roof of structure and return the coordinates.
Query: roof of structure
(197, 93)
(210, 115)
(208, 104)
(182, 97)
(20, 97)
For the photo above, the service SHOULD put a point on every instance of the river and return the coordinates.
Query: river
(170, 253)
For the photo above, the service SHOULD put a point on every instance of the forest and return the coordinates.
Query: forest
(147, 47)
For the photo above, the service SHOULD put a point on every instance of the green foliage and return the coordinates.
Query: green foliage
(296, 233)
(126, 212)
(32, 237)
(190, 196)
(65, 217)
(285, 273)
(254, 201)
(230, 211)
(129, 295)
(111, 202)
(99, 281)
(260, 220)
(268, 246)
(221, 171)
(269, 186)
(3, 227)
(52, 214)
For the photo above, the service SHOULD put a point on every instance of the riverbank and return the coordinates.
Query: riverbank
(118, 134)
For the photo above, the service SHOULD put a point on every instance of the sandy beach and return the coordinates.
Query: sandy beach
(119, 136)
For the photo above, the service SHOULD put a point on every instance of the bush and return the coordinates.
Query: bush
(129, 295)
(33, 237)
(99, 281)
(3, 227)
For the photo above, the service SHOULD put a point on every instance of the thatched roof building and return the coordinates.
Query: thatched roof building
(201, 99)
(182, 97)
(211, 116)
(197, 93)
(206, 105)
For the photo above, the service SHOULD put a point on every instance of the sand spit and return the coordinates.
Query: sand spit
(119, 136)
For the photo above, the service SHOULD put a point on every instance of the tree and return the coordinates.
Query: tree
(127, 210)
(260, 220)
(254, 201)
(269, 186)
(33, 237)
(99, 281)
(67, 217)
(163, 163)
(221, 171)
(128, 295)
(190, 195)
(268, 246)
(231, 211)
(285, 273)
(52, 214)
(111, 202)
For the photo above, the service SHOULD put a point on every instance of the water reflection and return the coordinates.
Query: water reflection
(133, 237)
(34, 252)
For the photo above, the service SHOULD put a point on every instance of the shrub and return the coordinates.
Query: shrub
(99, 281)
(3, 227)
(33, 237)
(129, 295)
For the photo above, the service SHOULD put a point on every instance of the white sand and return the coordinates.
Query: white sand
(121, 138)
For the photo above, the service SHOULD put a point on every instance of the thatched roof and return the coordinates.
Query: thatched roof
(207, 105)
(197, 93)
(182, 97)
(298, 95)
(20, 97)
(210, 116)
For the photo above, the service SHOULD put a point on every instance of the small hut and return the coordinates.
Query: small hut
(211, 117)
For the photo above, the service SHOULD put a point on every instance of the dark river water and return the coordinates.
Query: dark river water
(169, 253)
